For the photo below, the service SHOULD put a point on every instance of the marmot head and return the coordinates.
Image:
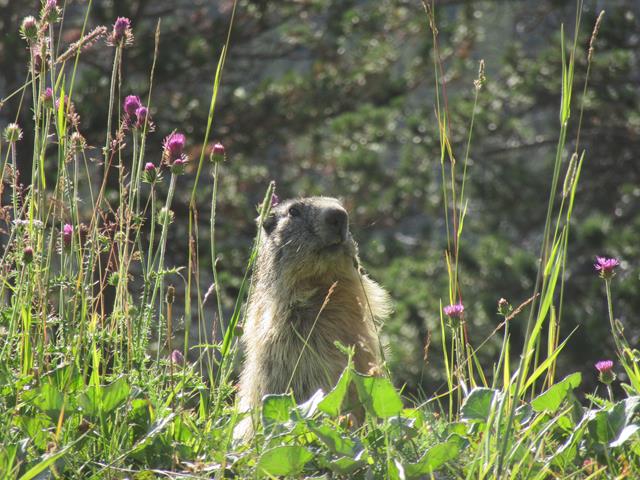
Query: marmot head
(308, 235)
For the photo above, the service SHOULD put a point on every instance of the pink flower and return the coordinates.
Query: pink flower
(174, 146)
(454, 311)
(67, 235)
(605, 371)
(177, 357)
(131, 104)
(606, 266)
(141, 116)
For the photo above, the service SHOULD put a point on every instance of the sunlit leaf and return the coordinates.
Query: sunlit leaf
(285, 460)
(551, 399)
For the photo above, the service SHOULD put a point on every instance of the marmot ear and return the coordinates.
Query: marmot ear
(269, 223)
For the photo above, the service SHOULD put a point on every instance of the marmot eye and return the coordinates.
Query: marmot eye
(294, 211)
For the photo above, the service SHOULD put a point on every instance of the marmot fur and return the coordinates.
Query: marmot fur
(305, 248)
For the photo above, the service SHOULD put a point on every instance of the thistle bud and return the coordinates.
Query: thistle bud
(27, 255)
(218, 154)
(29, 29)
(12, 133)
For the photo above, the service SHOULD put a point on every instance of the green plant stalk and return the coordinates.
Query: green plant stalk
(212, 233)
(158, 286)
(503, 441)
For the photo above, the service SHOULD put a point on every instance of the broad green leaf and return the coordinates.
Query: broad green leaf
(477, 405)
(115, 394)
(436, 457)
(285, 460)
(331, 404)
(47, 398)
(90, 401)
(337, 443)
(378, 396)
(275, 409)
(551, 399)
(345, 465)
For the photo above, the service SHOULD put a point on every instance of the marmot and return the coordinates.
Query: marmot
(305, 248)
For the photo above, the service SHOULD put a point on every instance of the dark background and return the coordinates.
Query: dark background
(336, 97)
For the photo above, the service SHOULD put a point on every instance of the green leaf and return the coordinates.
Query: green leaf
(47, 398)
(477, 405)
(90, 401)
(345, 465)
(378, 395)
(551, 399)
(115, 394)
(332, 402)
(337, 443)
(436, 456)
(275, 409)
(285, 460)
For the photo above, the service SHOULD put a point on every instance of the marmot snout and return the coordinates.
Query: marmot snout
(289, 338)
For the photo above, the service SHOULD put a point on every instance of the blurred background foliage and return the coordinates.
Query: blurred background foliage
(336, 97)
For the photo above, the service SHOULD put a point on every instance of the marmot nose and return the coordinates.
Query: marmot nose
(337, 221)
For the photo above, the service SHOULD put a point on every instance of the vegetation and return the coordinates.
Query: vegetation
(95, 381)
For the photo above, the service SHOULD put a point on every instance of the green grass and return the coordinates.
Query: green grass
(88, 387)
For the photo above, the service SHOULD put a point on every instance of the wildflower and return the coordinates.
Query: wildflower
(178, 165)
(67, 235)
(275, 200)
(150, 173)
(174, 146)
(217, 154)
(454, 312)
(605, 371)
(50, 12)
(141, 116)
(177, 357)
(27, 255)
(47, 97)
(29, 29)
(12, 133)
(131, 104)
(173, 154)
(606, 266)
(121, 33)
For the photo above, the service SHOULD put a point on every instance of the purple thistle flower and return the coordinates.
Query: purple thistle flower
(131, 104)
(177, 357)
(67, 235)
(141, 116)
(47, 97)
(149, 166)
(120, 27)
(454, 311)
(174, 144)
(605, 371)
(121, 33)
(606, 266)
(173, 154)
(50, 11)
